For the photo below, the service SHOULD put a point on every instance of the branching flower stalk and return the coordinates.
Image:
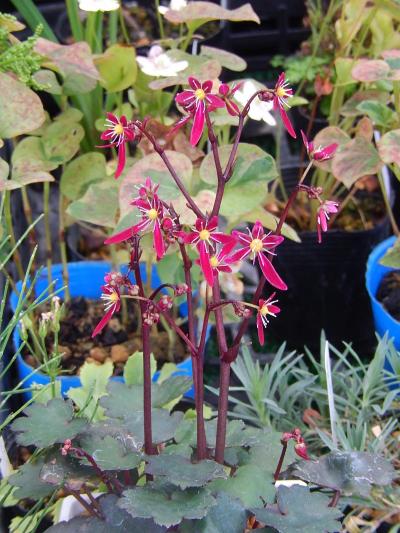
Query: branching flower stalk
(216, 250)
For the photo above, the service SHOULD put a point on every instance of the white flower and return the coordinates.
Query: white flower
(158, 63)
(175, 5)
(98, 5)
(258, 110)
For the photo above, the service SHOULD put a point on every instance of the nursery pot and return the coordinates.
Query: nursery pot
(326, 289)
(85, 279)
(384, 322)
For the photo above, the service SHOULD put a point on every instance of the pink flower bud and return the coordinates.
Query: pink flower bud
(223, 89)
(301, 450)
(180, 289)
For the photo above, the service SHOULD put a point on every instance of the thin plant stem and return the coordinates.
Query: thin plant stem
(280, 462)
(148, 435)
(10, 230)
(89, 508)
(159, 19)
(47, 230)
(74, 20)
(123, 25)
(63, 245)
(26, 206)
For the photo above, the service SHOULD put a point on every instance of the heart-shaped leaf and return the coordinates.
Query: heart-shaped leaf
(379, 113)
(226, 59)
(35, 429)
(350, 107)
(21, 110)
(117, 67)
(201, 12)
(81, 172)
(354, 160)
(182, 472)
(392, 256)
(300, 510)
(349, 472)
(166, 504)
(369, 70)
(389, 147)
(61, 141)
(99, 204)
(74, 62)
(29, 159)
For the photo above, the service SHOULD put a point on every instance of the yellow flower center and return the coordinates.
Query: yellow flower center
(204, 235)
(256, 245)
(113, 297)
(200, 94)
(214, 261)
(264, 310)
(281, 92)
(118, 129)
(152, 214)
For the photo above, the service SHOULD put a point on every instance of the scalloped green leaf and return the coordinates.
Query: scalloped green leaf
(389, 147)
(181, 472)
(354, 160)
(61, 141)
(21, 110)
(35, 429)
(152, 165)
(166, 504)
(300, 510)
(28, 481)
(81, 172)
(349, 472)
(117, 67)
(349, 108)
(133, 370)
(115, 520)
(227, 516)
(111, 453)
(99, 204)
(250, 484)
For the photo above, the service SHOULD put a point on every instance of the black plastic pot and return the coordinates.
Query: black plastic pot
(326, 289)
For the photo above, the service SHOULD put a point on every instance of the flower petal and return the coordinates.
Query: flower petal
(121, 160)
(106, 318)
(205, 263)
(158, 241)
(194, 83)
(287, 123)
(112, 118)
(198, 125)
(185, 98)
(240, 254)
(271, 275)
(215, 101)
(260, 329)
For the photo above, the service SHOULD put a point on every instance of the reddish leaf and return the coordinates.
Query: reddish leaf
(389, 147)
(356, 159)
(370, 70)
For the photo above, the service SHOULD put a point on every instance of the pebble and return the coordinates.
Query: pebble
(99, 354)
(119, 353)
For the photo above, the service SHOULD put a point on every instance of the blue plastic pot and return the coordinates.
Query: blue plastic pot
(384, 322)
(85, 279)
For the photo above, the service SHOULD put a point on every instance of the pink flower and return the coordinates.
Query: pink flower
(282, 93)
(265, 308)
(118, 133)
(227, 94)
(326, 207)
(196, 101)
(203, 235)
(300, 447)
(256, 242)
(112, 304)
(152, 212)
(318, 154)
(221, 260)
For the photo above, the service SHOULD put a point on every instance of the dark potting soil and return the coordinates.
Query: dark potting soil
(116, 342)
(389, 293)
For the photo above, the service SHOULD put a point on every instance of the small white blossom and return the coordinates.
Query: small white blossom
(175, 5)
(258, 110)
(98, 5)
(158, 63)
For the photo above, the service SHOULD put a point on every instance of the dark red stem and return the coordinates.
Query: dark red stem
(280, 462)
(91, 510)
(335, 499)
(102, 475)
(148, 435)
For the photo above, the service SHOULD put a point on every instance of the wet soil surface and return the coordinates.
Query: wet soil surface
(389, 293)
